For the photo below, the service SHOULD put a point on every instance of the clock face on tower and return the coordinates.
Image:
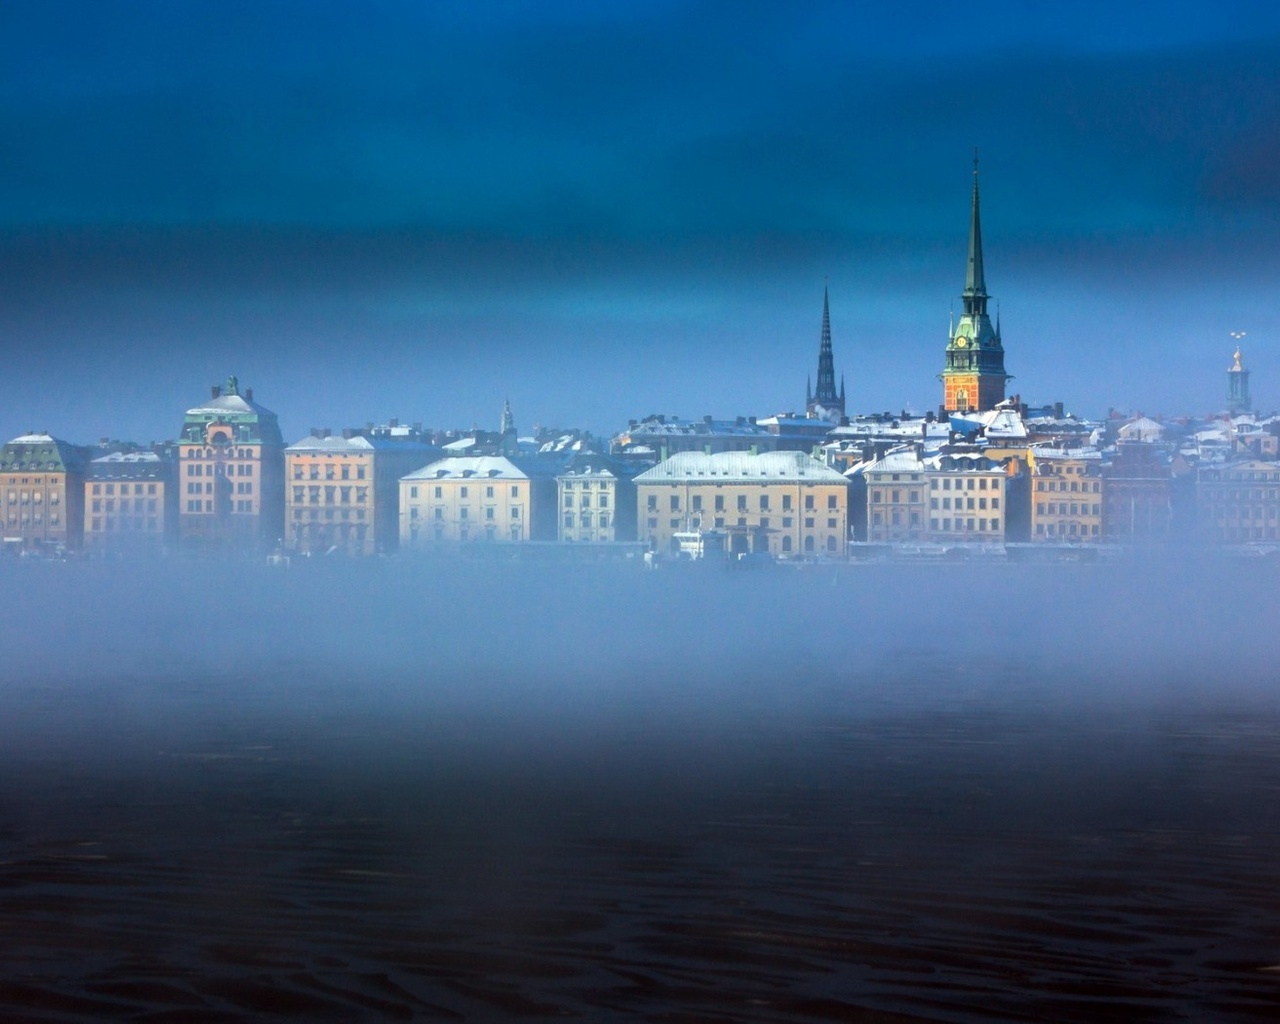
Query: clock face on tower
(961, 341)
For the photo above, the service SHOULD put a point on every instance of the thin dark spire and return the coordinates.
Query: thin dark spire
(975, 280)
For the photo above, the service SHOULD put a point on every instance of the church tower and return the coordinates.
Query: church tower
(1238, 400)
(974, 377)
(825, 404)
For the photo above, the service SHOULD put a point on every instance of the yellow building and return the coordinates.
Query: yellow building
(130, 502)
(897, 498)
(42, 493)
(597, 500)
(342, 493)
(474, 498)
(1066, 495)
(231, 471)
(782, 503)
(968, 498)
(1239, 501)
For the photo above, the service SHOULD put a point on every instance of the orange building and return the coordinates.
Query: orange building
(42, 493)
(342, 493)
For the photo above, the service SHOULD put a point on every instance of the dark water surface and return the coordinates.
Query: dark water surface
(407, 792)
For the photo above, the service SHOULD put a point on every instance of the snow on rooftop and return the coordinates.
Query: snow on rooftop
(488, 467)
(741, 466)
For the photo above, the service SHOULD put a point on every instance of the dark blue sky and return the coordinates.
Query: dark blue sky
(610, 209)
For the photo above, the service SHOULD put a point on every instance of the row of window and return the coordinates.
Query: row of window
(35, 517)
(329, 513)
(218, 469)
(341, 495)
(1076, 485)
(124, 524)
(764, 523)
(217, 453)
(695, 502)
(965, 503)
(109, 505)
(585, 521)
(1063, 508)
(464, 491)
(110, 489)
(1066, 530)
(313, 472)
(28, 497)
(241, 505)
(584, 501)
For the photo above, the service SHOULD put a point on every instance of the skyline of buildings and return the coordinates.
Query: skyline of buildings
(983, 468)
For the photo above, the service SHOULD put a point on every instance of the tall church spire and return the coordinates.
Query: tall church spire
(975, 281)
(973, 378)
(824, 402)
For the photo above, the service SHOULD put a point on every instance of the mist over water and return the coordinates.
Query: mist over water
(436, 787)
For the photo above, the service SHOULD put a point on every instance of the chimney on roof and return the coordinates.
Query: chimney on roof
(216, 391)
(707, 420)
(751, 420)
(348, 433)
(315, 431)
(248, 394)
(393, 422)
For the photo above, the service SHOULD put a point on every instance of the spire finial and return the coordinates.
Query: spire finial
(975, 162)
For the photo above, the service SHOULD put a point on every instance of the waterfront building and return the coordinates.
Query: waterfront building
(973, 378)
(597, 499)
(131, 502)
(477, 498)
(780, 503)
(1067, 495)
(42, 493)
(1137, 494)
(968, 497)
(1239, 501)
(955, 496)
(231, 471)
(897, 497)
(825, 403)
(342, 493)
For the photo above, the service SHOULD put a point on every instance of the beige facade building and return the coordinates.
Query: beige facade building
(951, 497)
(342, 493)
(474, 498)
(897, 497)
(597, 500)
(1066, 495)
(782, 503)
(131, 502)
(42, 493)
(1239, 501)
(968, 499)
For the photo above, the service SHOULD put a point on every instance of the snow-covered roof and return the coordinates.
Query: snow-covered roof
(127, 457)
(33, 439)
(903, 461)
(332, 443)
(1141, 427)
(466, 467)
(1066, 453)
(741, 467)
(229, 404)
